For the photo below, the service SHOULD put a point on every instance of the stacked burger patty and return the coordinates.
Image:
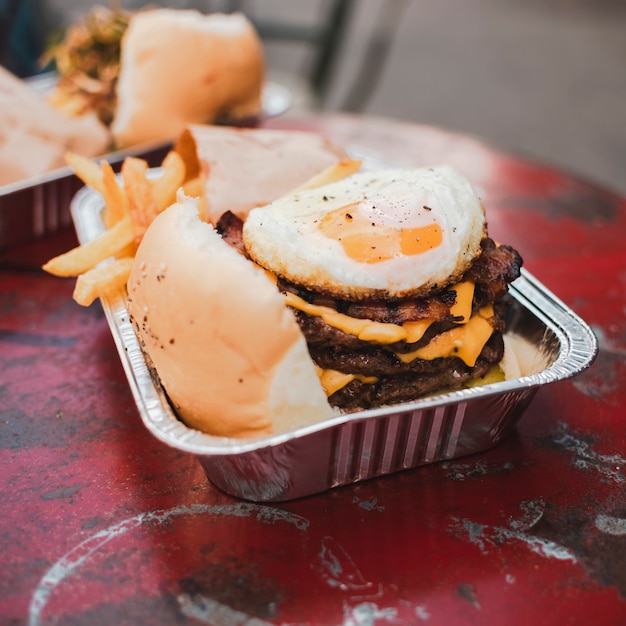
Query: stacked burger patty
(380, 376)
(383, 378)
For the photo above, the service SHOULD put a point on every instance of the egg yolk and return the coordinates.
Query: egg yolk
(368, 240)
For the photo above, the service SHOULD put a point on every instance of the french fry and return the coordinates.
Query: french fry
(128, 250)
(165, 187)
(341, 169)
(101, 280)
(141, 200)
(87, 170)
(62, 101)
(194, 188)
(115, 200)
(186, 148)
(82, 258)
(104, 264)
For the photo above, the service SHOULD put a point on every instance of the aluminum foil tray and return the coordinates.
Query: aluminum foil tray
(366, 444)
(39, 206)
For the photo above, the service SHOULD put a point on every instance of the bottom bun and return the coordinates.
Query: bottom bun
(228, 352)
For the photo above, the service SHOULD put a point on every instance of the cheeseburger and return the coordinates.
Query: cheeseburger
(392, 279)
(374, 290)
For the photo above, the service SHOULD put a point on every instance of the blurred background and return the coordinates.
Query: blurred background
(545, 79)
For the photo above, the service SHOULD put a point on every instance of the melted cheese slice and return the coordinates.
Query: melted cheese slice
(381, 332)
(334, 380)
(462, 308)
(466, 341)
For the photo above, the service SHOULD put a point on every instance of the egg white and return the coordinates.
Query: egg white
(285, 236)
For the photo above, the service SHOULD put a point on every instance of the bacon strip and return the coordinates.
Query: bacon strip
(492, 271)
(230, 227)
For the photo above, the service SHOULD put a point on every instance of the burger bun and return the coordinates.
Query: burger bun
(228, 352)
(179, 67)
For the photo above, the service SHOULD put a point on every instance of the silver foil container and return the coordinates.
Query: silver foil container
(367, 444)
(39, 207)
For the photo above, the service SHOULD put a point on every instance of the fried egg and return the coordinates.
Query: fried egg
(382, 233)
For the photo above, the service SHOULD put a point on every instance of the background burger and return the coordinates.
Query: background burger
(121, 66)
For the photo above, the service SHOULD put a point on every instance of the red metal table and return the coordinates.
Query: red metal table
(100, 523)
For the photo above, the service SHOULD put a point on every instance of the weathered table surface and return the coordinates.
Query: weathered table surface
(100, 523)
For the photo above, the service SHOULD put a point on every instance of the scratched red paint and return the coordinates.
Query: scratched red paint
(102, 524)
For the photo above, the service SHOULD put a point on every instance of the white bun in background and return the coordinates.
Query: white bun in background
(250, 167)
(228, 352)
(179, 67)
(34, 136)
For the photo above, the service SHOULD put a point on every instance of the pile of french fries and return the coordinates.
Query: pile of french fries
(131, 201)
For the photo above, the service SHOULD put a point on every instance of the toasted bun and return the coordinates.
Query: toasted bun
(34, 136)
(245, 168)
(228, 352)
(179, 67)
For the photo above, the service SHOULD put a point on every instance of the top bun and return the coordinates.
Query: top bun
(228, 352)
(250, 167)
(179, 67)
